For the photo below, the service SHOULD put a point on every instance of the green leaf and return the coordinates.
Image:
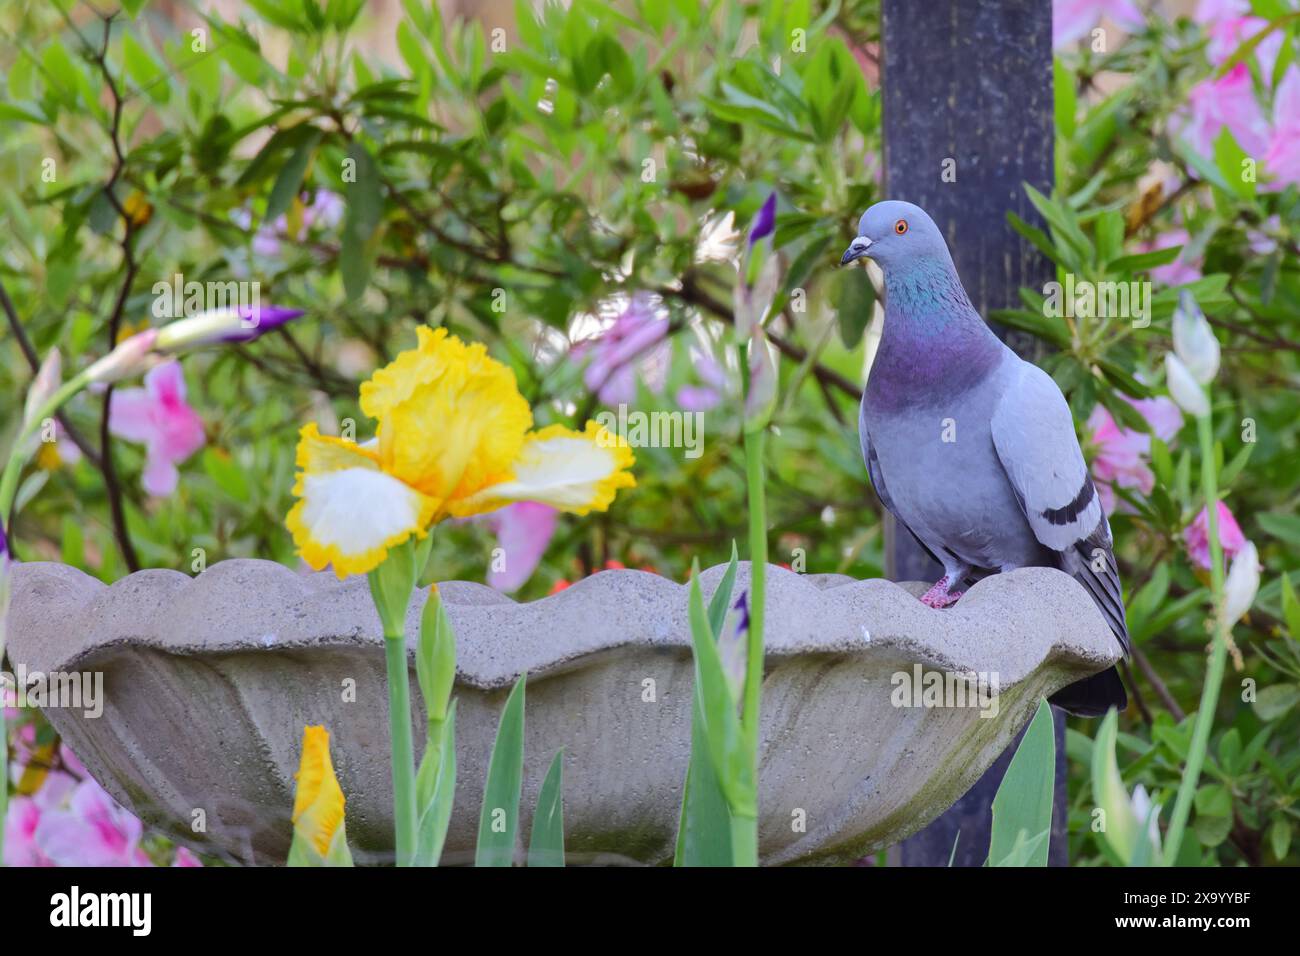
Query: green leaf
(704, 828)
(226, 473)
(1144, 261)
(1276, 700)
(830, 83)
(1283, 527)
(855, 299)
(1122, 829)
(1233, 468)
(289, 181)
(63, 73)
(148, 75)
(436, 790)
(1232, 162)
(1290, 607)
(546, 845)
(722, 724)
(1022, 808)
(21, 114)
(1069, 237)
(1066, 99)
(722, 596)
(1279, 837)
(1050, 328)
(365, 203)
(1212, 829)
(499, 820)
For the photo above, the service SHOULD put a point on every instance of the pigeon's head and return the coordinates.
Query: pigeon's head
(894, 233)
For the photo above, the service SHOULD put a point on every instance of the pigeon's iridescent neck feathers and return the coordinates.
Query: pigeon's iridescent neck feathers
(934, 344)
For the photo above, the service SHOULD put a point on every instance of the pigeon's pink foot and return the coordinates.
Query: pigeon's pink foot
(939, 596)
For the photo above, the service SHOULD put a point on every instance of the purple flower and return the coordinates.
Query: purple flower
(733, 647)
(701, 398)
(259, 321)
(616, 356)
(230, 325)
(4, 546)
(764, 222)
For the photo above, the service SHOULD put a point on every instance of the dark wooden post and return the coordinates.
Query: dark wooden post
(968, 113)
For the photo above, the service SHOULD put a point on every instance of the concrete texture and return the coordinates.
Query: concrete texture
(210, 680)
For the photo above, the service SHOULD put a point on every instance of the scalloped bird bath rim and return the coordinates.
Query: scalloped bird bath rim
(210, 680)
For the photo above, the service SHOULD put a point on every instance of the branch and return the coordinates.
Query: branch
(111, 483)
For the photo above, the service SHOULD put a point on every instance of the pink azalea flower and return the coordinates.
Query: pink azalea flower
(1182, 270)
(618, 353)
(1121, 453)
(1228, 24)
(1161, 413)
(158, 417)
(91, 831)
(523, 531)
(1196, 536)
(1282, 161)
(1074, 19)
(1228, 101)
(185, 859)
(24, 819)
(20, 834)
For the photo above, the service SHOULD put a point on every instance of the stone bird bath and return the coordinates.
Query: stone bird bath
(210, 680)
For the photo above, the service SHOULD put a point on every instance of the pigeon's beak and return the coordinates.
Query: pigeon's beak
(857, 249)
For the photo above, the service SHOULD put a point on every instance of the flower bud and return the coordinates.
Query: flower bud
(765, 222)
(48, 379)
(751, 302)
(1194, 340)
(222, 326)
(1241, 586)
(1189, 395)
(435, 657)
(763, 374)
(132, 357)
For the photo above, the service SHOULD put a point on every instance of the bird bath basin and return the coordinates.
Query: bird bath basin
(209, 681)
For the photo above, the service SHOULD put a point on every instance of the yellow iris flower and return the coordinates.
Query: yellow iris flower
(318, 802)
(453, 440)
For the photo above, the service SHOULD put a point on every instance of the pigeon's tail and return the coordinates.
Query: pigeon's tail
(1092, 696)
(1091, 562)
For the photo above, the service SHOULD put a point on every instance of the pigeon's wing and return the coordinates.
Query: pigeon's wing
(878, 482)
(873, 468)
(1033, 433)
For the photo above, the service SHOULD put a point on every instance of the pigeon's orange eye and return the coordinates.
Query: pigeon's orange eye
(900, 227)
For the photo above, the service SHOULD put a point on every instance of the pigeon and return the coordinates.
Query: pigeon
(972, 448)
